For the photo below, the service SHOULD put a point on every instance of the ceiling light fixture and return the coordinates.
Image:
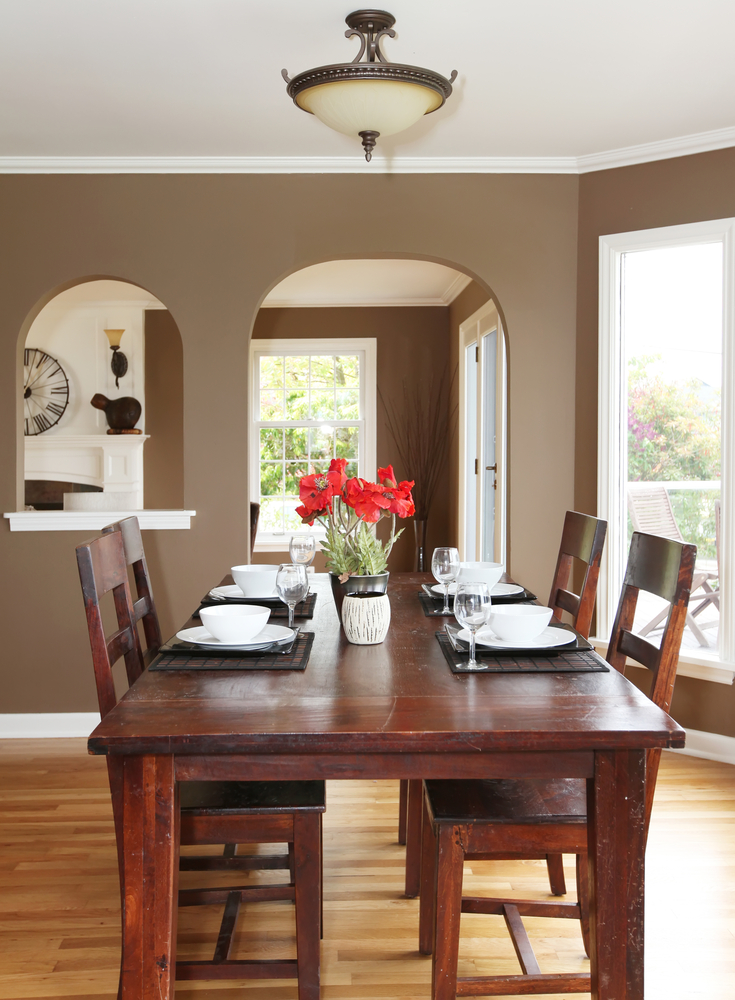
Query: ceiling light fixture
(372, 98)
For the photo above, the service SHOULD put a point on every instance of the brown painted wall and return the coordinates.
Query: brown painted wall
(210, 248)
(412, 343)
(666, 193)
(164, 412)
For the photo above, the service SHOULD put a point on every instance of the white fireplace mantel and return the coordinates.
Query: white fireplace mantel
(113, 462)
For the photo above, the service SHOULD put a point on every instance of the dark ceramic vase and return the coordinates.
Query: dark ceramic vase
(122, 414)
(357, 585)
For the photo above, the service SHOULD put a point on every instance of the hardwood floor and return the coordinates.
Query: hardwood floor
(59, 913)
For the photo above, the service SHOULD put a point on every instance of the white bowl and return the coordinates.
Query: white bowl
(256, 580)
(518, 622)
(480, 572)
(235, 623)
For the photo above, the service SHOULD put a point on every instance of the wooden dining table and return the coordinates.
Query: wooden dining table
(393, 710)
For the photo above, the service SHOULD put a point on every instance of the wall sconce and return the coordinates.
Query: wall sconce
(372, 98)
(119, 363)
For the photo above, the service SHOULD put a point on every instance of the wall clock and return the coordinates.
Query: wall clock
(45, 391)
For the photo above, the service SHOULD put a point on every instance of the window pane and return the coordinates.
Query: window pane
(348, 404)
(322, 405)
(346, 442)
(271, 478)
(271, 514)
(294, 472)
(271, 443)
(297, 443)
(297, 405)
(351, 470)
(672, 330)
(271, 404)
(321, 443)
(271, 373)
(322, 371)
(292, 521)
(297, 372)
(347, 370)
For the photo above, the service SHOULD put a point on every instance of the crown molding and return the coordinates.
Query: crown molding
(450, 293)
(665, 149)
(687, 145)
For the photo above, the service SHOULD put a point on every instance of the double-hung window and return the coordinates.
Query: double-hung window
(312, 401)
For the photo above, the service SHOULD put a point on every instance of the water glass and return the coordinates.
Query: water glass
(445, 567)
(471, 609)
(292, 586)
(302, 549)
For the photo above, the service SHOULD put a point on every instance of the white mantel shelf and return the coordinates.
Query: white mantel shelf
(83, 520)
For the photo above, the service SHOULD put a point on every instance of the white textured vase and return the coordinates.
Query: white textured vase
(365, 618)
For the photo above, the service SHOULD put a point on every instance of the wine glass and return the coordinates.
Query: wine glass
(292, 586)
(445, 567)
(302, 549)
(471, 608)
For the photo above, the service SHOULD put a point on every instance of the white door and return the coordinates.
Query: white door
(482, 392)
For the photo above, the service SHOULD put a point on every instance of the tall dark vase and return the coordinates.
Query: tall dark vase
(420, 557)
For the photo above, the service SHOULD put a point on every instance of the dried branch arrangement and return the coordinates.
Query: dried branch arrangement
(422, 425)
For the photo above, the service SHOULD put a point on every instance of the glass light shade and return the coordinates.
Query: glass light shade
(354, 106)
(114, 336)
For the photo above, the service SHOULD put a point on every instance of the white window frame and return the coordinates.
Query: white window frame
(613, 440)
(367, 348)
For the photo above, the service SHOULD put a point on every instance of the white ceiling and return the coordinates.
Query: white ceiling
(541, 85)
(369, 283)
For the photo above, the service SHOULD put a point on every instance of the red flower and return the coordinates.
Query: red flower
(307, 516)
(387, 476)
(336, 474)
(316, 492)
(400, 499)
(366, 499)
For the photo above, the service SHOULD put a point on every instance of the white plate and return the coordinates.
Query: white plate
(506, 590)
(232, 591)
(499, 590)
(270, 634)
(549, 638)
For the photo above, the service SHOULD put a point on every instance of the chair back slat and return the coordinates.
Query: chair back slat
(664, 567)
(102, 568)
(144, 607)
(583, 538)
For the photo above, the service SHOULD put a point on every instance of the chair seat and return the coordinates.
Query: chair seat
(203, 797)
(508, 801)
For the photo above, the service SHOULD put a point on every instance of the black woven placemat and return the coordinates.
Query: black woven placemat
(433, 605)
(234, 660)
(277, 608)
(552, 661)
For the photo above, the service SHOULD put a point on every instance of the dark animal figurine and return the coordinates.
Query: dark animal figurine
(122, 414)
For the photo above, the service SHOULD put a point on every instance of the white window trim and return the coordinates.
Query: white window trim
(612, 434)
(367, 461)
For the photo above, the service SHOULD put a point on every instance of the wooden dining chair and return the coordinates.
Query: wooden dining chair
(582, 538)
(144, 606)
(212, 812)
(501, 819)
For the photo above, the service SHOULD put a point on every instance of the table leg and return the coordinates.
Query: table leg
(151, 863)
(616, 845)
(413, 837)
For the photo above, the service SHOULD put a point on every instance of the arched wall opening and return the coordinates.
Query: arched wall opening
(413, 309)
(135, 460)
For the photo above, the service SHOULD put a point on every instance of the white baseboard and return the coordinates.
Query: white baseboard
(711, 746)
(47, 725)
